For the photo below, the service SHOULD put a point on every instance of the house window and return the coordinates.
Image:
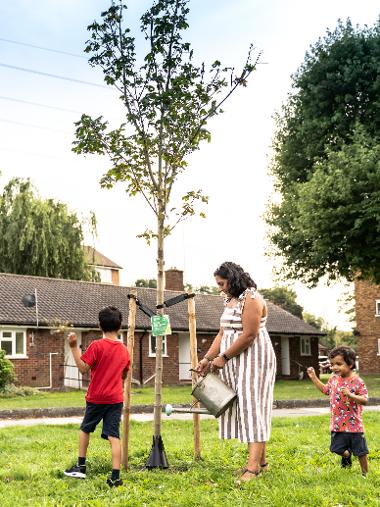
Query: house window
(378, 346)
(305, 346)
(152, 346)
(377, 308)
(105, 275)
(13, 342)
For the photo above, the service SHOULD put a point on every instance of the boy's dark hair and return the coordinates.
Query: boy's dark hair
(348, 355)
(110, 319)
(238, 279)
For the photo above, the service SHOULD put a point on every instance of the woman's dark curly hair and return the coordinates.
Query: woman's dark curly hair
(238, 279)
(349, 355)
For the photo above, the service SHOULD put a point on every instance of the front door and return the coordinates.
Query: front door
(184, 356)
(285, 356)
(73, 377)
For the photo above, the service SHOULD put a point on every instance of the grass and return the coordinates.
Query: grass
(284, 390)
(303, 472)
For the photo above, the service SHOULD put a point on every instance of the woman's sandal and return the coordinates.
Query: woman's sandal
(264, 468)
(255, 473)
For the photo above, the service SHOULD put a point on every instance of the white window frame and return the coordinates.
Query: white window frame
(305, 345)
(378, 346)
(12, 339)
(164, 346)
(377, 308)
(105, 274)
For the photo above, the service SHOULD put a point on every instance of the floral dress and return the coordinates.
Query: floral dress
(346, 414)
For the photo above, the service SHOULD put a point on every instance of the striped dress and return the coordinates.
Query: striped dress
(251, 374)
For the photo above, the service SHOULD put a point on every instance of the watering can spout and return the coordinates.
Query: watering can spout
(169, 409)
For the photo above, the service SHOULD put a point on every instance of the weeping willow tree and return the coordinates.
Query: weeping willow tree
(39, 237)
(168, 98)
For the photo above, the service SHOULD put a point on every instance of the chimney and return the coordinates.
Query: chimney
(174, 279)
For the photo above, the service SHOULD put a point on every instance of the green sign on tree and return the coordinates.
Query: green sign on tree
(160, 325)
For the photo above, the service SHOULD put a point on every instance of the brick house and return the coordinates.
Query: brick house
(36, 344)
(367, 310)
(108, 271)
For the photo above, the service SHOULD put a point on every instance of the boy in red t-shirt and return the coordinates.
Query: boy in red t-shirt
(108, 362)
(348, 393)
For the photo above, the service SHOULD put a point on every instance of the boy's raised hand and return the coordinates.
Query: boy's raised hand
(311, 372)
(72, 339)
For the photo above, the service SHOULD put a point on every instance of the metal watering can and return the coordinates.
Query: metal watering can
(213, 393)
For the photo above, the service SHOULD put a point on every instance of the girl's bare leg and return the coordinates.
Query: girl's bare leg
(363, 460)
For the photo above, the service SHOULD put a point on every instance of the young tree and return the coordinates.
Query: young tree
(168, 100)
(39, 237)
(327, 159)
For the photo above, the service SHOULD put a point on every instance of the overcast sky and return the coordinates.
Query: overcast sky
(232, 170)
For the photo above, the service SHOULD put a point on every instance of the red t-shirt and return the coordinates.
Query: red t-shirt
(107, 359)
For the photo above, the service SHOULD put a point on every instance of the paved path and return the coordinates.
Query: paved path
(281, 412)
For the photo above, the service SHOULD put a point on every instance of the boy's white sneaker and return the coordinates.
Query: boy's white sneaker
(76, 471)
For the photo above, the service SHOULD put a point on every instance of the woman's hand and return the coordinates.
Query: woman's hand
(203, 366)
(311, 373)
(218, 363)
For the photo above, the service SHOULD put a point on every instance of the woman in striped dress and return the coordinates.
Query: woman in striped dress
(243, 352)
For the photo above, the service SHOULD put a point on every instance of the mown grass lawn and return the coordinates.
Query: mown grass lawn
(303, 472)
(284, 390)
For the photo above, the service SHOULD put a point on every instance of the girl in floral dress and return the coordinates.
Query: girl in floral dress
(348, 393)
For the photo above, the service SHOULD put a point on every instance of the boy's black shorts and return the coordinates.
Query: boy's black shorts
(111, 415)
(354, 442)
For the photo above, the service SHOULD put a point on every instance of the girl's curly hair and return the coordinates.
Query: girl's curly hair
(349, 355)
(238, 279)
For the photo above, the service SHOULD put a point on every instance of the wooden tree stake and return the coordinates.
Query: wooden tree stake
(194, 362)
(128, 381)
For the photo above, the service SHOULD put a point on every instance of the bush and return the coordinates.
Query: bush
(10, 390)
(7, 374)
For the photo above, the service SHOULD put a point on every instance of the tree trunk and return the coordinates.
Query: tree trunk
(160, 300)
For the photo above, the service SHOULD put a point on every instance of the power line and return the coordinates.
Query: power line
(31, 154)
(52, 75)
(13, 122)
(12, 99)
(43, 48)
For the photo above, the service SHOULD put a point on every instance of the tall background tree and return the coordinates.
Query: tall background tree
(143, 282)
(168, 99)
(327, 161)
(285, 298)
(39, 237)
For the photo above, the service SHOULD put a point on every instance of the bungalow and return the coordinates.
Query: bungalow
(34, 336)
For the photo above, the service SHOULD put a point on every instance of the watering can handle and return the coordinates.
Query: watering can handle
(194, 370)
(199, 375)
